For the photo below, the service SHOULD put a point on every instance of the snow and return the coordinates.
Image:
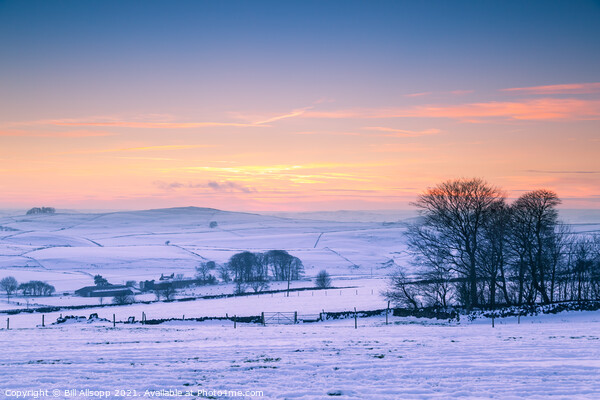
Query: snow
(544, 357)
(366, 295)
(139, 245)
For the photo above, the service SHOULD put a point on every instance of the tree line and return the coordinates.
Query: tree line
(10, 286)
(473, 248)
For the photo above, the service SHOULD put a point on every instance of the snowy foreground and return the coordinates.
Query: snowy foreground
(545, 356)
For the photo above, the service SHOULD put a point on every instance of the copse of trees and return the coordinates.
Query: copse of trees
(36, 288)
(256, 269)
(471, 248)
(41, 210)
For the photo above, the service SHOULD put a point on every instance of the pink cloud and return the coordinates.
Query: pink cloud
(144, 148)
(66, 134)
(133, 124)
(532, 109)
(571, 88)
(417, 94)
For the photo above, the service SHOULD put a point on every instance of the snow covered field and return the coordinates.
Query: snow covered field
(365, 296)
(550, 356)
(67, 249)
(547, 356)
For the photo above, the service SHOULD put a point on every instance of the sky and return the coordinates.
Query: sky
(295, 105)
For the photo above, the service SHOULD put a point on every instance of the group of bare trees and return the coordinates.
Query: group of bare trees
(41, 210)
(472, 248)
(10, 286)
(256, 269)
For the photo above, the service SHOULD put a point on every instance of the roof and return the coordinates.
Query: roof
(92, 289)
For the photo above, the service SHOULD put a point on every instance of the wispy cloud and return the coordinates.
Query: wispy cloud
(393, 132)
(65, 134)
(538, 109)
(294, 113)
(222, 186)
(532, 109)
(151, 125)
(332, 133)
(544, 171)
(298, 174)
(229, 186)
(570, 88)
(144, 148)
(420, 94)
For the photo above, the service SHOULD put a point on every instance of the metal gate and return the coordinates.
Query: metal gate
(285, 318)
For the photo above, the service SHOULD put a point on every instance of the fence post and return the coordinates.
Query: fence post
(114, 321)
(43, 322)
(262, 316)
(519, 318)
(234, 322)
(355, 319)
(387, 311)
(7, 324)
(492, 320)
(183, 317)
(295, 317)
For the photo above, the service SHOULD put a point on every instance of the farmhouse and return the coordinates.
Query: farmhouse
(104, 291)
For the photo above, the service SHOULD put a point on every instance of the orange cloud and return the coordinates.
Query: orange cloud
(571, 88)
(402, 132)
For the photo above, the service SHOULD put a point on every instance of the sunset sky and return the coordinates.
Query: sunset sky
(294, 106)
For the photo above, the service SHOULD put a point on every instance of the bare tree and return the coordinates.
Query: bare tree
(166, 292)
(284, 266)
(36, 288)
(401, 291)
(247, 267)
(9, 285)
(122, 299)
(535, 220)
(492, 254)
(452, 215)
(323, 280)
(203, 270)
(259, 285)
(224, 273)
